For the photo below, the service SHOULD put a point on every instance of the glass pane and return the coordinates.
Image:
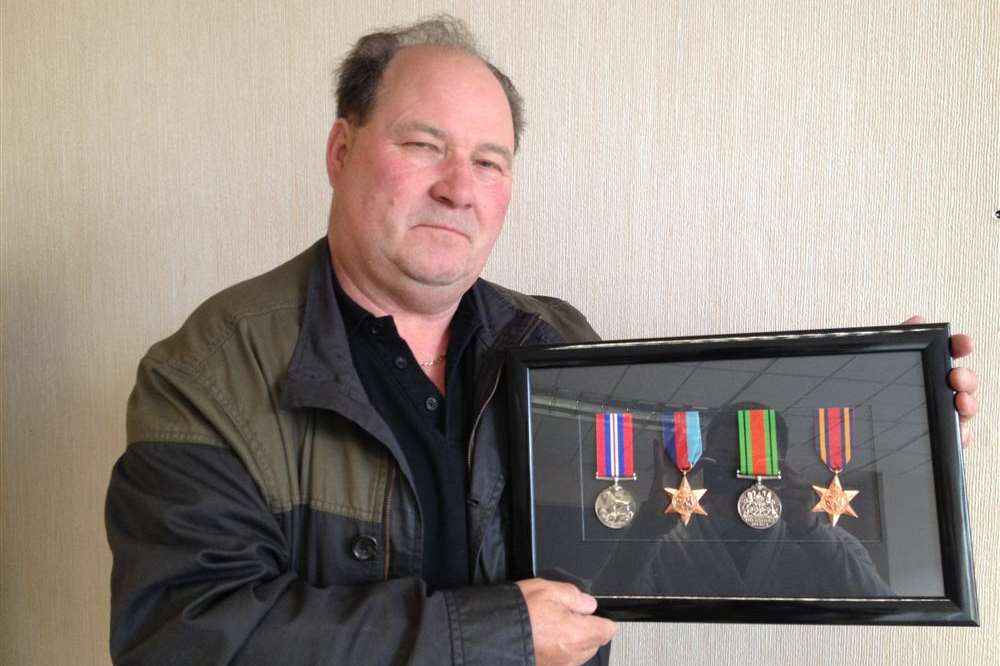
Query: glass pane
(889, 550)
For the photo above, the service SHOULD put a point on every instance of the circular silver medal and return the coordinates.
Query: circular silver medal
(759, 506)
(615, 507)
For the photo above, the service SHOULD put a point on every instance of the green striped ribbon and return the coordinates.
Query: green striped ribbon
(758, 442)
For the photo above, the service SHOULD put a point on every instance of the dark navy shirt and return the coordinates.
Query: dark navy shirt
(432, 429)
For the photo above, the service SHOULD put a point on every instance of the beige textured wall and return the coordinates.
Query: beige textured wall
(689, 168)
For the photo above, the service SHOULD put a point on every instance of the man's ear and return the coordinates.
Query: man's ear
(338, 146)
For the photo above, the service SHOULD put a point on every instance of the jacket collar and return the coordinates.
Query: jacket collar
(321, 373)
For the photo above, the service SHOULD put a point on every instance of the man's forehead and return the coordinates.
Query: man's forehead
(432, 56)
(416, 71)
(415, 67)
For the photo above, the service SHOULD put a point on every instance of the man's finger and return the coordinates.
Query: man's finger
(966, 406)
(963, 379)
(965, 428)
(575, 600)
(961, 345)
(566, 595)
(915, 319)
(602, 627)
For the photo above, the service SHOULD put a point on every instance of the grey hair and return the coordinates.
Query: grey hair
(360, 74)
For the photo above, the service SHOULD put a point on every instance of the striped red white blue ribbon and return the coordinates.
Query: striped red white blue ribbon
(614, 445)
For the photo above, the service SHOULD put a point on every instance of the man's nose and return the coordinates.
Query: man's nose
(455, 185)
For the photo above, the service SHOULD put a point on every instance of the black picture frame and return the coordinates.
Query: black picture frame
(629, 570)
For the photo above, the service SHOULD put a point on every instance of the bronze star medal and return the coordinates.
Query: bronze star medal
(682, 444)
(833, 437)
(685, 501)
(834, 500)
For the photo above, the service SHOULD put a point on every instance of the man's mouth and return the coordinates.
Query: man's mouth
(446, 228)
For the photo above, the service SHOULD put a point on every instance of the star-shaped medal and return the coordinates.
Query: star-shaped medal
(834, 500)
(684, 501)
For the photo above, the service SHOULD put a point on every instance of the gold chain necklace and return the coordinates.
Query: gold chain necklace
(432, 362)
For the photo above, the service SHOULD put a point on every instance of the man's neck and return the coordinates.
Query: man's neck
(426, 333)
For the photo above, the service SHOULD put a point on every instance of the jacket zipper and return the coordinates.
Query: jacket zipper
(475, 424)
(496, 382)
(385, 515)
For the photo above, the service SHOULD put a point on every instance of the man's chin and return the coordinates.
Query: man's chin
(438, 276)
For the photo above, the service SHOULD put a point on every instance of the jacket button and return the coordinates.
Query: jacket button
(364, 548)
(400, 362)
(431, 403)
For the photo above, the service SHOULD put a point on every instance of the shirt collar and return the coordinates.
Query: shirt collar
(353, 314)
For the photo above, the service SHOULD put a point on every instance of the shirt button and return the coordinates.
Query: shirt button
(431, 403)
(364, 548)
(400, 362)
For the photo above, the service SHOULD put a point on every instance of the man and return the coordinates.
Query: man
(298, 488)
(316, 460)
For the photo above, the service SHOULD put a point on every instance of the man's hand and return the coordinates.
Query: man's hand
(962, 380)
(564, 630)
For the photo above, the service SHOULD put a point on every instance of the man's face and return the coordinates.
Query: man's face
(421, 189)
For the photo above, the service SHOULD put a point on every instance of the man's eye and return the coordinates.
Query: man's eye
(487, 164)
(421, 145)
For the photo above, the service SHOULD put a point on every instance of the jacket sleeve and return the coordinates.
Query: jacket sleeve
(202, 574)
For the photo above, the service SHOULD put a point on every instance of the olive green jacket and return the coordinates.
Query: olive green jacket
(263, 512)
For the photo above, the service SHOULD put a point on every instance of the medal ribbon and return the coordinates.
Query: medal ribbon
(758, 442)
(834, 427)
(614, 445)
(682, 438)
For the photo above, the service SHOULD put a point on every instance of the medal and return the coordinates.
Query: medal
(758, 506)
(682, 443)
(615, 506)
(833, 427)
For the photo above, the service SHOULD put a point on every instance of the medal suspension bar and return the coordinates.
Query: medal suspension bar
(758, 477)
